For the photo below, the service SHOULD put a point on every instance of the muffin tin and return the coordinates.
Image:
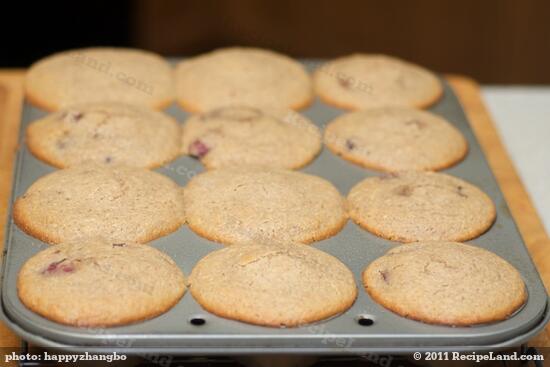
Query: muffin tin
(365, 328)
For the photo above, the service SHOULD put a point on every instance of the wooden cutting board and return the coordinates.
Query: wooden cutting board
(530, 225)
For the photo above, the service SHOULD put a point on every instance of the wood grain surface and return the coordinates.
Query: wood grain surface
(530, 225)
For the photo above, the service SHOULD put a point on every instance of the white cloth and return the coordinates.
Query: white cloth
(522, 116)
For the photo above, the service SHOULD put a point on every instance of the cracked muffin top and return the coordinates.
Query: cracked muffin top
(445, 283)
(273, 285)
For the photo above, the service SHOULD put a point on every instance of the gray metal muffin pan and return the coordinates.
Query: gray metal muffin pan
(175, 333)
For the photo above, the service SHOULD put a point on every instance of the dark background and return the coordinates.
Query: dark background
(493, 41)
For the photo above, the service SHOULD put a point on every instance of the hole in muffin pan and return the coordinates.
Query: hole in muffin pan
(197, 321)
(365, 320)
